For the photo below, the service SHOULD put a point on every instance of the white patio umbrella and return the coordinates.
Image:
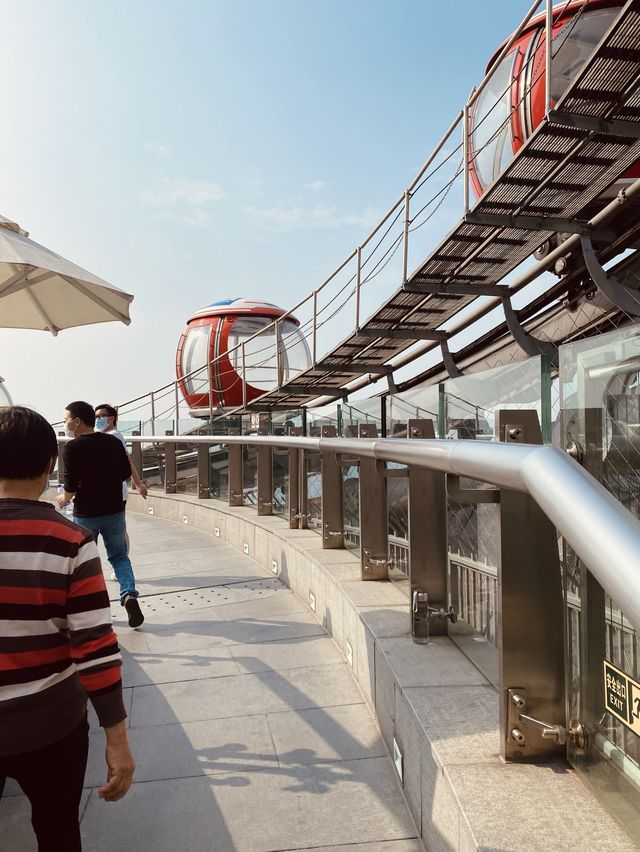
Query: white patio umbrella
(41, 290)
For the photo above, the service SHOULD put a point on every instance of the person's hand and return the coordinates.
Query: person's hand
(120, 764)
(60, 500)
(142, 489)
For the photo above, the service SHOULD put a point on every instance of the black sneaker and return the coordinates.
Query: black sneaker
(133, 611)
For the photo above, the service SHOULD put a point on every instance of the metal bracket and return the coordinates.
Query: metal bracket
(470, 495)
(449, 363)
(527, 342)
(517, 701)
(619, 295)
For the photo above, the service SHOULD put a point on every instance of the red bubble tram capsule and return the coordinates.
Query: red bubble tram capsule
(512, 105)
(216, 334)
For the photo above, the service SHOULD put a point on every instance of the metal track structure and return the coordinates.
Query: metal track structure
(589, 139)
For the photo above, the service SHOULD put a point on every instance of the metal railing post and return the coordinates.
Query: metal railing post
(244, 376)
(405, 237)
(170, 466)
(265, 475)
(374, 523)
(279, 376)
(294, 481)
(136, 454)
(235, 471)
(465, 156)
(332, 509)
(303, 488)
(314, 339)
(530, 612)
(177, 404)
(358, 275)
(548, 41)
(428, 552)
(153, 414)
(204, 472)
(210, 389)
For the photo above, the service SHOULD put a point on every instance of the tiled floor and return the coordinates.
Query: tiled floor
(246, 724)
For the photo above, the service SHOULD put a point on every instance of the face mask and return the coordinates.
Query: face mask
(102, 423)
(71, 433)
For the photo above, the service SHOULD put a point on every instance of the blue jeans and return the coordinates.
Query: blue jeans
(112, 529)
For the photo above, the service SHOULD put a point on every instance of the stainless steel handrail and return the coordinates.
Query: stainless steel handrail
(604, 535)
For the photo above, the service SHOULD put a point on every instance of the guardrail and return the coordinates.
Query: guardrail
(539, 491)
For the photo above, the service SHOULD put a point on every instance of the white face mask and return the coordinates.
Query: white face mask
(71, 433)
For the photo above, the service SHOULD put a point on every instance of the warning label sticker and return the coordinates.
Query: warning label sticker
(622, 697)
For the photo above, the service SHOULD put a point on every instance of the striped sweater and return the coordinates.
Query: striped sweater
(57, 645)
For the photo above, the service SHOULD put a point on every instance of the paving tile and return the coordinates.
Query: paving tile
(243, 695)
(209, 627)
(387, 621)
(461, 722)
(194, 748)
(521, 816)
(286, 654)
(142, 668)
(439, 663)
(325, 734)
(291, 808)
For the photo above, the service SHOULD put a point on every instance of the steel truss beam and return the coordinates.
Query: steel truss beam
(408, 332)
(454, 289)
(592, 124)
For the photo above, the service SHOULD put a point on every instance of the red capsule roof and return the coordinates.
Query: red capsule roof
(241, 307)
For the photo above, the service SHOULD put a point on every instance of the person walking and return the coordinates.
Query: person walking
(57, 644)
(95, 466)
(107, 422)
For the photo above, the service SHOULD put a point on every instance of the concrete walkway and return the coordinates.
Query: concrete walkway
(247, 726)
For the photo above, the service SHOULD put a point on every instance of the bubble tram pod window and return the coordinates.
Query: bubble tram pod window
(217, 334)
(512, 105)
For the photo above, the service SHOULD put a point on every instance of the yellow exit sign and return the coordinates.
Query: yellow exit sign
(622, 697)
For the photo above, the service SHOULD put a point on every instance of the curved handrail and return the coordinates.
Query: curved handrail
(601, 531)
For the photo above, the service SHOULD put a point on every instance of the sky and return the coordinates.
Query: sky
(188, 152)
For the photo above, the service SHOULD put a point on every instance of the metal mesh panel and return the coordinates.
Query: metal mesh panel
(186, 469)
(280, 482)
(351, 506)
(314, 490)
(219, 483)
(249, 476)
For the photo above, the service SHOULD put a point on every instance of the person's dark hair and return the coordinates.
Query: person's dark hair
(84, 411)
(28, 444)
(111, 411)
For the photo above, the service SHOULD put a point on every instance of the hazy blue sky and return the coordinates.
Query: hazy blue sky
(192, 151)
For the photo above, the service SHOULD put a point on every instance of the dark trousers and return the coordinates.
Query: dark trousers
(52, 779)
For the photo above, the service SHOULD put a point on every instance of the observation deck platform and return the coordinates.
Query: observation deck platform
(248, 730)
(259, 725)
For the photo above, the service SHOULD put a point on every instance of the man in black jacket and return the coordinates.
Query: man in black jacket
(95, 466)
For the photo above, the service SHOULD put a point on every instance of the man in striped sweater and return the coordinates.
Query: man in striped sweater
(57, 645)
